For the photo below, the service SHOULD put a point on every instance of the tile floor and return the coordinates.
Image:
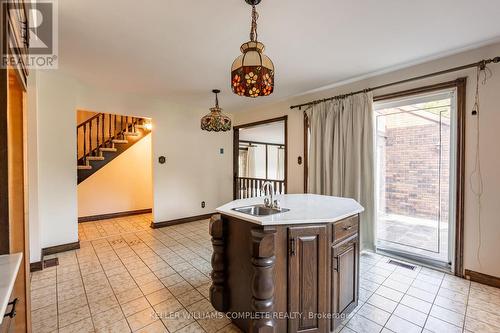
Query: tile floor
(127, 277)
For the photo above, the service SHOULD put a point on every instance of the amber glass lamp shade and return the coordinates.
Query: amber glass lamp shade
(252, 73)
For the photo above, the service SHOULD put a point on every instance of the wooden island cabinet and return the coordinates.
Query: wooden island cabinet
(286, 275)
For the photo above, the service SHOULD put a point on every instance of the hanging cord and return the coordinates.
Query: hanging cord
(253, 30)
(476, 172)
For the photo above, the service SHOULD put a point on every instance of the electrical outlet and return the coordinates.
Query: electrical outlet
(203, 204)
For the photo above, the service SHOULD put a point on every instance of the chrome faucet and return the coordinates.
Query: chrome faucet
(269, 202)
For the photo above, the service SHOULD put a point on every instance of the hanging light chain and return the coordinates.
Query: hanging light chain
(216, 100)
(253, 30)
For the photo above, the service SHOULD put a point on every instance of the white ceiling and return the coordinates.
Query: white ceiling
(181, 49)
(270, 133)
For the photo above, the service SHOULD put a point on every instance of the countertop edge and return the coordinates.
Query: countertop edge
(255, 220)
(4, 298)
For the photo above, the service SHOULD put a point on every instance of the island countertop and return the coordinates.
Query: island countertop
(304, 209)
(9, 266)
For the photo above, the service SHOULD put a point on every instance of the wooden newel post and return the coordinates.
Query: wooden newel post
(263, 260)
(218, 289)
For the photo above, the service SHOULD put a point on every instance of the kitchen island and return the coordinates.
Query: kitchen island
(286, 271)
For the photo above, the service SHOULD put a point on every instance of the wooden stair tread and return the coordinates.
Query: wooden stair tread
(112, 150)
(95, 158)
(130, 133)
(84, 167)
(120, 141)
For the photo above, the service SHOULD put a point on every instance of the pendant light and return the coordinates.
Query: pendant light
(252, 73)
(216, 121)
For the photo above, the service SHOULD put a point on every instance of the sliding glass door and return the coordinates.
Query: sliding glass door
(415, 163)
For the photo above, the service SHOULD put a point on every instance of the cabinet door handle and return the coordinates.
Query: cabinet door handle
(12, 312)
(347, 228)
(336, 264)
(292, 246)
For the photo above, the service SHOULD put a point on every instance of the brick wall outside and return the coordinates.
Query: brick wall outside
(412, 155)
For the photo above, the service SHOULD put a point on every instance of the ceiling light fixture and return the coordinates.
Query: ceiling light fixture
(216, 121)
(252, 73)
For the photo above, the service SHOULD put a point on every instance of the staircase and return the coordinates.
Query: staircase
(103, 137)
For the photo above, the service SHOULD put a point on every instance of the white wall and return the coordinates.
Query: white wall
(195, 170)
(125, 184)
(32, 162)
(57, 202)
(490, 137)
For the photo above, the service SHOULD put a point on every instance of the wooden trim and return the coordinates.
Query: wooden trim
(236, 159)
(4, 159)
(488, 280)
(236, 140)
(158, 225)
(460, 85)
(419, 90)
(60, 248)
(114, 215)
(262, 122)
(262, 143)
(305, 159)
(36, 266)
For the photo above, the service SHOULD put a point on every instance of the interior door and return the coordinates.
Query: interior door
(307, 286)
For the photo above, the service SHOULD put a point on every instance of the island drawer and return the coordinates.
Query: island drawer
(345, 228)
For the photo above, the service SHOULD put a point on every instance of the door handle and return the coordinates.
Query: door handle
(12, 312)
(347, 228)
(336, 264)
(292, 246)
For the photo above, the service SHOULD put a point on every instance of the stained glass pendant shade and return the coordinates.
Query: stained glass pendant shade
(252, 73)
(216, 121)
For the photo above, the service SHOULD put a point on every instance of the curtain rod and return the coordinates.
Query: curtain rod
(480, 64)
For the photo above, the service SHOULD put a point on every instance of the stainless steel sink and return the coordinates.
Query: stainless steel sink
(260, 210)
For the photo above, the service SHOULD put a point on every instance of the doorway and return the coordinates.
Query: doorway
(259, 156)
(416, 177)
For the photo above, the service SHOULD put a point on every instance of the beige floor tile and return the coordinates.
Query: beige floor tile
(189, 297)
(135, 306)
(120, 326)
(107, 318)
(438, 326)
(166, 307)
(159, 296)
(82, 326)
(45, 325)
(180, 288)
(191, 328)
(177, 320)
(129, 295)
(72, 303)
(156, 327)
(141, 319)
(74, 316)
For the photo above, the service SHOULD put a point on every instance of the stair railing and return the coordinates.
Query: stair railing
(100, 130)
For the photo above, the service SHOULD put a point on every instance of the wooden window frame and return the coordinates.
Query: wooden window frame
(460, 85)
(236, 147)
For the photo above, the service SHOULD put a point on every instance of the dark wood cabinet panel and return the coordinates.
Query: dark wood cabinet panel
(307, 277)
(344, 289)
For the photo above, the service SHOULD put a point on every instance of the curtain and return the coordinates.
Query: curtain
(242, 170)
(280, 169)
(251, 162)
(341, 153)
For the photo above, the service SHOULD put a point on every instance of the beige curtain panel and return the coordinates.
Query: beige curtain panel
(341, 155)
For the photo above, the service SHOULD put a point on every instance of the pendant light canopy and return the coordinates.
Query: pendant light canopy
(252, 73)
(216, 121)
